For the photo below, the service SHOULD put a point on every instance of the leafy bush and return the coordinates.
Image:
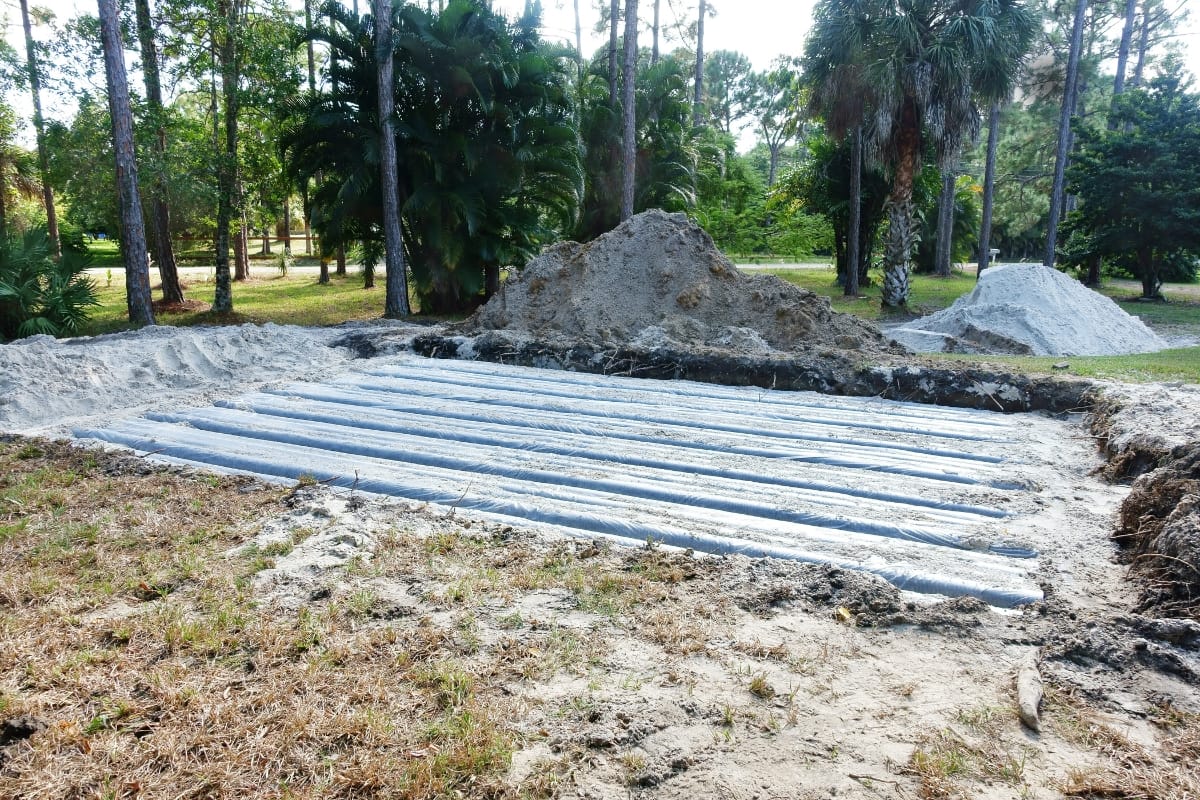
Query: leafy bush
(39, 295)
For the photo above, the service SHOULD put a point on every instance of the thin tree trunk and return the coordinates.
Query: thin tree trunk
(1123, 54)
(850, 287)
(1143, 44)
(133, 232)
(773, 148)
(227, 173)
(614, 15)
(39, 126)
(341, 259)
(654, 49)
(578, 33)
(629, 112)
(989, 189)
(241, 249)
(266, 240)
(1064, 134)
(698, 94)
(396, 299)
(945, 226)
(286, 236)
(164, 254)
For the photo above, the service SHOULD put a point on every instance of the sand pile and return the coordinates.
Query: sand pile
(659, 281)
(46, 382)
(1027, 309)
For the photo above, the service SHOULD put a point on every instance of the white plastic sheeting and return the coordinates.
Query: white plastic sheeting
(908, 492)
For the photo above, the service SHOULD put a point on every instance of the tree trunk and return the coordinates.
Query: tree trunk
(989, 189)
(578, 33)
(1148, 271)
(774, 148)
(1143, 45)
(241, 249)
(1123, 55)
(341, 260)
(286, 235)
(227, 172)
(698, 94)
(629, 112)
(3, 214)
(614, 14)
(1064, 134)
(164, 254)
(491, 280)
(133, 232)
(850, 287)
(39, 126)
(323, 277)
(943, 253)
(396, 299)
(902, 230)
(266, 240)
(654, 49)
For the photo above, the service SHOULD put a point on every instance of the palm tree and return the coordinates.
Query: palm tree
(18, 176)
(487, 153)
(927, 64)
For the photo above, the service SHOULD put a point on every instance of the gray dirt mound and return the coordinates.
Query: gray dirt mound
(1028, 309)
(659, 281)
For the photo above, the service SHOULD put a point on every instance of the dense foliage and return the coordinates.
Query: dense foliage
(39, 294)
(1139, 186)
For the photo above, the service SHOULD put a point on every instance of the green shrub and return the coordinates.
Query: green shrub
(39, 295)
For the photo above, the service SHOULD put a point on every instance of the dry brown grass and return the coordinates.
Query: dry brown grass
(125, 629)
(1127, 768)
(130, 631)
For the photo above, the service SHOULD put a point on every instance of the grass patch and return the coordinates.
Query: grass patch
(294, 300)
(199, 690)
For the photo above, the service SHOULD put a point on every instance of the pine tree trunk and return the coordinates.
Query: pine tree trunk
(629, 112)
(614, 15)
(396, 299)
(227, 172)
(1123, 55)
(1143, 45)
(133, 232)
(945, 226)
(266, 240)
(698, 93)
(1064, 134)
(164, 253)
(39, 126)
(989, 189)
(850, 287)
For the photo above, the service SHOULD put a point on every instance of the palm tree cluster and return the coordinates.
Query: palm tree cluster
(910, 77)
(488, 159)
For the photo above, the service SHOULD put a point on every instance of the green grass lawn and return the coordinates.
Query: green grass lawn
(294, 300)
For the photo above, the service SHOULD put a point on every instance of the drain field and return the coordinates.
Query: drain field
(927, 497)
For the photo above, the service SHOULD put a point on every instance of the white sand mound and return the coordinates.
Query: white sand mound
(658, 280)
(47, 383)
(1028, 309)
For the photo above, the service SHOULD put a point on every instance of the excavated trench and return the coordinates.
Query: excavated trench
(933, 499)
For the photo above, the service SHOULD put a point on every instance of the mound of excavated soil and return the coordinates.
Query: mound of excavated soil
(1027, 309)
(659, 281)
(1160, 522)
